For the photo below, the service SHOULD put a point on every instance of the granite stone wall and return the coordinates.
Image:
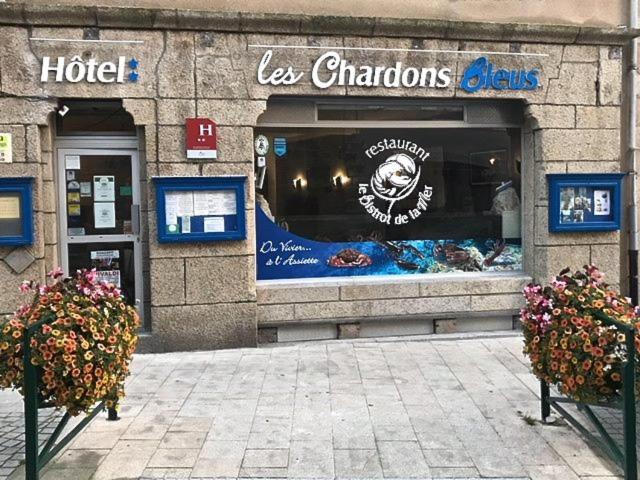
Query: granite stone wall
(204, 296)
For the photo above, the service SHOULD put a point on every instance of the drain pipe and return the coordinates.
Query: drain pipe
(631, 152)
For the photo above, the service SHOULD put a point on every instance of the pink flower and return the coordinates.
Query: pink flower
(55, 273)
(25, 286)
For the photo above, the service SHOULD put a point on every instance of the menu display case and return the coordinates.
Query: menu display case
(200, 209)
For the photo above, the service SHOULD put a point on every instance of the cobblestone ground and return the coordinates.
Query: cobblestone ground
(402, 408)
(12, 431)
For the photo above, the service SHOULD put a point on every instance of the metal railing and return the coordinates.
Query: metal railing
(35, 460)
(626, 457)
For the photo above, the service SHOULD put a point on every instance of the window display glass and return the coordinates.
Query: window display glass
(387, 201)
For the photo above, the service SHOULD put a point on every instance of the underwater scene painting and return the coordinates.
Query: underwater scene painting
(283, 255)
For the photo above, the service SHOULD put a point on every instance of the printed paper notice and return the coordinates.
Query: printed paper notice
(213, 224)
(177, 204)
(72, 162)
(6, 155)
(104, 188)
(109, 276)
(104, 214)
(10, 207)
(85, 189)
(220, 202)
(602, 202)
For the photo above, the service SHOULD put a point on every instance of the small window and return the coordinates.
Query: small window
(99, 117)
(380, 113)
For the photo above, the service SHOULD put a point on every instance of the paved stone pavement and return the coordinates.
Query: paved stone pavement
(12, 431)
(395, 408)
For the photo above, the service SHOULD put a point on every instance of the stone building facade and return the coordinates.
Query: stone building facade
(204, 64)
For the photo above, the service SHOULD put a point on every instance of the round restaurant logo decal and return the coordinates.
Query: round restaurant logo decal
(395, 179)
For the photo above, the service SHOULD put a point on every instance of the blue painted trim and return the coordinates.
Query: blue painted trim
(192, 184)
(601, 181)
(23, 186)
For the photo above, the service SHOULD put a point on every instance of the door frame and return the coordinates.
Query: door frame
(101, 146)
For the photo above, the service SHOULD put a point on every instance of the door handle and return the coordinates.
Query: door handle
(135, 219)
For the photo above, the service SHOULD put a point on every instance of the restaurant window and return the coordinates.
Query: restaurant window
(365, 198)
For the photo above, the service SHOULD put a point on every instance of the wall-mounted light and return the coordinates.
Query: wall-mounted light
(63, 110)
(492, 160)
(340, 179)
(299, 183)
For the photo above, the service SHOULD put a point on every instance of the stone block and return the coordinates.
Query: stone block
(551, 116)
(487, 284)
(580, 53)
(18, 141)
(598, 117)
(607, 259)
(26, 111)
(217, 77)
(348, 330)
(176, 71)
(267, 335)
(235, 144)
(191, 169)
(171, 144)
(143, 110)
(19, 66)
(202, 327)
(330, 310)
(275, 314)
(34, 149)
(610, 76)
(558, 145)
(50, 228)
(593, 167)
(167, 281)
(151, 143)
(419, 306)
(506, 302)
(550, 260)
(272, 294)
(576, 84)
(232, 112)
(174, 111)
(220, 279)
(374, 291)
(11, 297)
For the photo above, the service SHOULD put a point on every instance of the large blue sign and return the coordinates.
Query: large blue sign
(481, 74)
(282, 255)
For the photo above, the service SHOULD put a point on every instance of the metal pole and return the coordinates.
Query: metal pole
(30, 392)
(629, 409)
(632, 157)
(545, 408)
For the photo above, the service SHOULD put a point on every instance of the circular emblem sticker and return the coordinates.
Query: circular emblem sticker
(398, 176)
(262, 145)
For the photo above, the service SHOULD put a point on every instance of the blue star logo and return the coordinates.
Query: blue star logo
(133, 76)
(133, 64)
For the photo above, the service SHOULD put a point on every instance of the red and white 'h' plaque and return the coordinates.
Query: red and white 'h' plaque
(201, 138)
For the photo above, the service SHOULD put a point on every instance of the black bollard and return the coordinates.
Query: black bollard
(112, 415)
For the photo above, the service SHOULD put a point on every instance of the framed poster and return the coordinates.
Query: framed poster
(584, 202)
(200, 209)
(16, 211)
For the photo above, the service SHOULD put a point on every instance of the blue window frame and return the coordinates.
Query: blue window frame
(584, 202)
(212, 208)
(16, 207)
